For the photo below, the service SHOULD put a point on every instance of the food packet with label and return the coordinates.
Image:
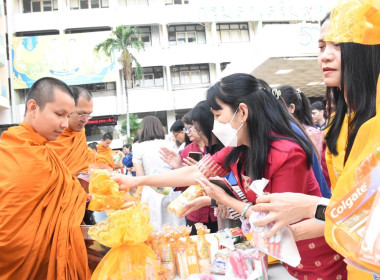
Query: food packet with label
(191, 193)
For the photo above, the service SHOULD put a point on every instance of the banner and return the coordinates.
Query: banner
(68, 57)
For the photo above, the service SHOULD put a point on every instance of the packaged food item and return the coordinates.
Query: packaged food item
(105, 192)
(220, 262)
(246, 264)
(203, 249)
(167, 254)
(192, 192)
(125, 231)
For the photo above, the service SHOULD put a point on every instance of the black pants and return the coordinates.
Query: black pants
(212, 226)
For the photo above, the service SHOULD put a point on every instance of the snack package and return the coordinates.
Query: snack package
(280, 246)
(203, 249)
(105, 192)
(220, 262)
(167, 253)
(356, 232)
(192, 192)
(125, 232)
(246, 264)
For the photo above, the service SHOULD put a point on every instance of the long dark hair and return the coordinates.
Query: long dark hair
(151, 129)
(202, 114)
(360, 69)
(302, 110)
(266, 115)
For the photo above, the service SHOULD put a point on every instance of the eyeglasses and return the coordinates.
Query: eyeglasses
(187, 129)
(84, 116)
(176, 134)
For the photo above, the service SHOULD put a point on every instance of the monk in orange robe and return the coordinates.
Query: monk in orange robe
(71, 145)
(105, 151)
(42, 204)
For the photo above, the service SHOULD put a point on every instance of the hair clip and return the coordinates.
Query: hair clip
(276, 93)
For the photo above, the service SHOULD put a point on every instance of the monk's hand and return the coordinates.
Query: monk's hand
(213, 191)
(195, 204)
(170, 157)
(284, 209)
(125, 182)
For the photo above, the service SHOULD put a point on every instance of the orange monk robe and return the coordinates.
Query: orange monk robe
(41, 208)
(105, 156)
(71, 147)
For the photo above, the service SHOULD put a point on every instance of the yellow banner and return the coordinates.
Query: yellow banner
(68, 57)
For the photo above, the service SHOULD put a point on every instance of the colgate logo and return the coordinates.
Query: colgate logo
(349, 202)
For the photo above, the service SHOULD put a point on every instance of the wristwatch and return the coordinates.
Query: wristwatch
(321, 209)
(213, 203)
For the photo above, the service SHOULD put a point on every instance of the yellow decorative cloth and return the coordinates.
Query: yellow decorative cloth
(356, 21)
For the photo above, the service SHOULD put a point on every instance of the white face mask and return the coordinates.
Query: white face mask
(225, 133)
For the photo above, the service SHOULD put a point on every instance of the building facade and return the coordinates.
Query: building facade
(189, 44)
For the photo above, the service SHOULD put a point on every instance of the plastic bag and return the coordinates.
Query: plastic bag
(280, 246)
(105, 192)
(129, 258)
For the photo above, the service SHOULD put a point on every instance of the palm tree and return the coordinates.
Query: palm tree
(123, 39)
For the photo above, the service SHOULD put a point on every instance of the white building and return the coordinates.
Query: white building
(188, 43)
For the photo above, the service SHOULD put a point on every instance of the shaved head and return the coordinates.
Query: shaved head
(42, 91)
(80, 92)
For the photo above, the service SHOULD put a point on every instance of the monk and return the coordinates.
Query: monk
(71, 145)
(41, 202)
(105, 151)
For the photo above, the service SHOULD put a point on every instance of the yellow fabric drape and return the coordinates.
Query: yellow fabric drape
(71, 147)
(105, 156)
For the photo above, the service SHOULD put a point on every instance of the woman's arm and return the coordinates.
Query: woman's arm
(185, 176)
(307, 229)
(139, 169)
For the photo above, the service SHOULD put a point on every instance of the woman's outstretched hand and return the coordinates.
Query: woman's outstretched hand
(171, 157)
(125, 182)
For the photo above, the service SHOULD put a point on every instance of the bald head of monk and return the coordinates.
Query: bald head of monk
(83, 108)
(49, 103)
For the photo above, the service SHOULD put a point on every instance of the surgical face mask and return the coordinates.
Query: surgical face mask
(225, 133)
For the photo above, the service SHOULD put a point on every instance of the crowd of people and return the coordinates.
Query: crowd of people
(244, 131)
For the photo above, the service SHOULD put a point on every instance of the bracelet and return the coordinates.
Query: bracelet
(249, 204)
(213, 203)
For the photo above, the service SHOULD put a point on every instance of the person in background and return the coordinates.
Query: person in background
(318, 114)
(71, 145)
(105, 151)
(147, 161)
(127, 159)
(42, 203)
(179, 134)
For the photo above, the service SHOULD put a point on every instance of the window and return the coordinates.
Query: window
(99, 86)
(145, 35)
(223, 65)
(190, 74)
(34, 6)
(88, 4)
(187, 34)
(232, 32)
(152, 77)
(176, 2)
